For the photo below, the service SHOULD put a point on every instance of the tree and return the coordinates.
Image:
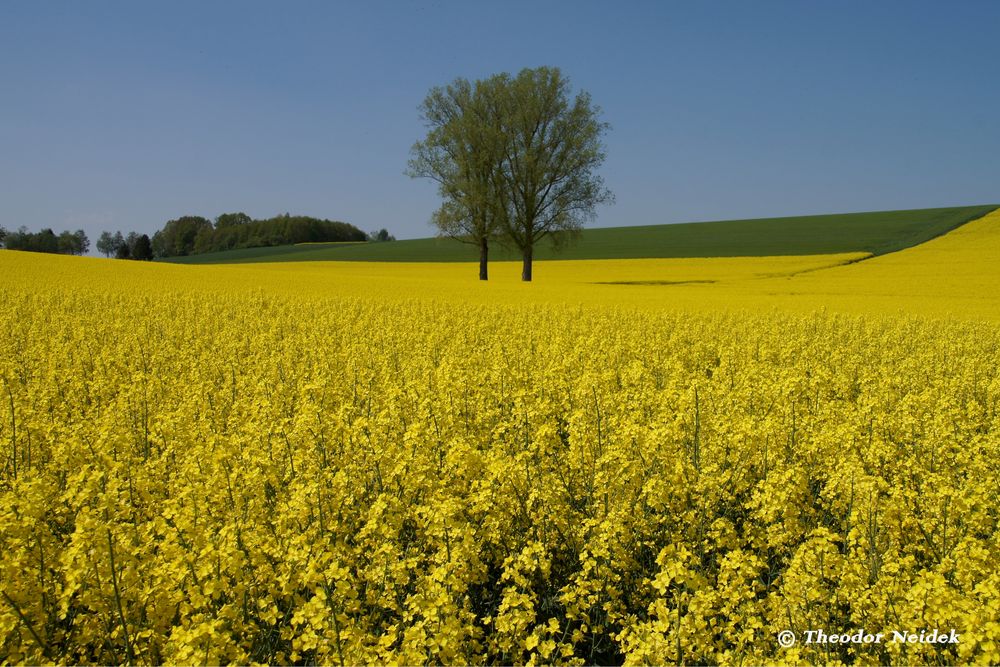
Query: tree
(3, 234)
(232, 220)
(45, 241)
(463, 153)
(73, 243)
(106, 244)
(160, 245)
(552, 150)
(142, 249)
(130, 241)
(381, 236)
(202, 241)
(67, 243)
(82, 242)
(122, 250)
(178, 236)
(120, 246)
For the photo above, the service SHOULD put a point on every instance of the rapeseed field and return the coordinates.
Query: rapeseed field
(639, 461)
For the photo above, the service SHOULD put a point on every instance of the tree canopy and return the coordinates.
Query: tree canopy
(65, 243)
(106, 244)
(177, 238)
(190, 235)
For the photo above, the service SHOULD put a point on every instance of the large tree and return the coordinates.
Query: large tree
(553, 149)
(463, 153)
(515, 158)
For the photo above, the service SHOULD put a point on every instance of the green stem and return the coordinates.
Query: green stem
(13, 429)
(118, 600)
(24, 619)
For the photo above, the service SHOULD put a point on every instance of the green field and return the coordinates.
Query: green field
(877, 232)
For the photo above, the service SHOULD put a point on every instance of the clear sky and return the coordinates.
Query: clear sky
(122, 115)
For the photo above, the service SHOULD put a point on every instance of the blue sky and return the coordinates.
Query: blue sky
(122, 115)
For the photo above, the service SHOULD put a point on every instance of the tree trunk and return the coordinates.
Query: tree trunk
(484, 251)
(526, 267)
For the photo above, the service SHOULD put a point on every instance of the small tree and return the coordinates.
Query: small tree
(106, 244)
(142, 249)
(45, 241)
(159, 243)
(120, 246)
(3, 234)
(82, 242)
(381, 236)
(73, 243)
(67, 243)
(130, 241)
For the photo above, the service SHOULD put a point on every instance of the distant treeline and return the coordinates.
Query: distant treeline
(193, 234)
(66, 243)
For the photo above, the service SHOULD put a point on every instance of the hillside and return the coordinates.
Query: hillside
(877, 232)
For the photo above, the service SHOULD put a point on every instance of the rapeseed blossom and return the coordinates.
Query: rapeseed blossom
(201, 466)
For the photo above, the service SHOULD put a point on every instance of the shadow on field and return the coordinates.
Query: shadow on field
(652, 282)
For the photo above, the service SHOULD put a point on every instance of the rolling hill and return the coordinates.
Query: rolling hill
(877, 232)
